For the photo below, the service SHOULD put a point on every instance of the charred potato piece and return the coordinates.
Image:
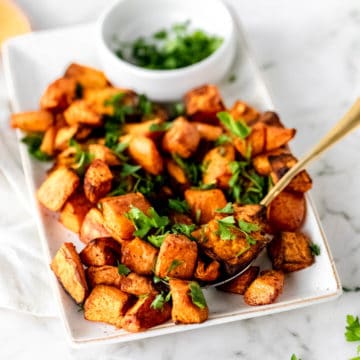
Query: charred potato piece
(139, 256)
(104, 275)
(177, 257)
(63, 136)
(114, 209)
(203, 103)
(57, 188)
(74, 211)
(181, 139)
(290, 251)
(262, 162)
(102, 152)
(287, 211)
(204, 203)
(93, 226)
(271, 118)
(79, 112)
(32, 121)
(254, 144)
(137, 285)
(265, 289)
(67, 267)
(184, 311)
(176, 172)
(145, 153)
(100, 252)
(107, 304)
(242, 111)
(234, 249)
(143, 315)
(207, 272)
(86, 76)
(59, 95)
(241, 282)
(97, 181)
(217, 165)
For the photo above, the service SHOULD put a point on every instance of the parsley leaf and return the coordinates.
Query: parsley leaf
(164, 126)
(144, 223)
(226, 227)
(236, 127)
(247, 228)
(174, 264)
(352, 329)
(315, 249)
(222, 139)
(157, 240)
(160, 300)
(123, 269)
(120, 110)
(33, 142)
(184, 229)
(191, 169)
(82, 158)
(145, 105)
(197, 296)
(227, 209)
(180, 206)
(294, 357)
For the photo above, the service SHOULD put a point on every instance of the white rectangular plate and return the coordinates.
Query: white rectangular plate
(31, 63)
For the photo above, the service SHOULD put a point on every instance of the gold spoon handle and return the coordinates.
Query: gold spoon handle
(348, 123)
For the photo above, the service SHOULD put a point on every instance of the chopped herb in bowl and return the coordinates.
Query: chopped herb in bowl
(169, 49)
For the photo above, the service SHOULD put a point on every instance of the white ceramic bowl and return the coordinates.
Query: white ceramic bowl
(126, 20)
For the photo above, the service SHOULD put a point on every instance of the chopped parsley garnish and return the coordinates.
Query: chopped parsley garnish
(120, 110)
(160, 127)
(174, 264)
(123, 269)
(246, 228)
(160, 300)
(294, 357)
(236, 127)
(227, 209)
(82, 158)
(177, 109)
(145, 105)
(180, 206)
(222, 139)
(232, 78)
(157, 240)
(33, 142)
(144, 223)
(172, 48)
(226, 228)
(191, 169)
(353, 328)
(184, 229)
(315, 249)
(197, 296)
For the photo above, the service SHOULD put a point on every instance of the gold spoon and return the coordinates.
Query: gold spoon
(349, 122)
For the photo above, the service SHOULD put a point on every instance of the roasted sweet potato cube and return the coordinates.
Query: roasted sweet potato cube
(270, 118)
(48, 141)
(79, 112)
(290, 251)
(97, 180)
(139, 256)
(143, 128)
(254, 144)
(203, 103)
(242, 111)
(207, 272)
(58, 95)
(176, 172)
(208, 132)
(143, 315)
(145, 153)
(287, 211)
(63, 136)
(262, 162)
(184, 311)
(177, 257)
(93, 226)
(104, 275)
(102, 152)
(67, 267)
(241, 282)
(216, 164)
(86, 76)
(107, 304)
(277, 137)
(100, 252)
(182, 138)
(204, 203)
(57, 188)
(114, 209)
(74, 211)
(265, 289)
(32, 121)
(302, 182)
(137, 285)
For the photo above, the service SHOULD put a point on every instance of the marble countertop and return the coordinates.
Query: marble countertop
(308, 53)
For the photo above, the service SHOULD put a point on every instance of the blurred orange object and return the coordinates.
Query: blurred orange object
(12, 20)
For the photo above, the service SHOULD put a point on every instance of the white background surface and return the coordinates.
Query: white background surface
(309, 55)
